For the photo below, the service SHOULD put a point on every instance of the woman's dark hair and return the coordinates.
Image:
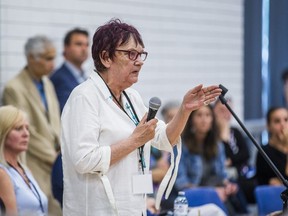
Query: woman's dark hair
(209, 148)
(109, 36)
(270, 112)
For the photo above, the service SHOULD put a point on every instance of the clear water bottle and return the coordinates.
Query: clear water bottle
(181, 205)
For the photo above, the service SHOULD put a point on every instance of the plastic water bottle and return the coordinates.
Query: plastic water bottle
(181, 205)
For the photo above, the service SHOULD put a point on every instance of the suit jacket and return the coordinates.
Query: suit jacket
(64, 82)
(44, 126)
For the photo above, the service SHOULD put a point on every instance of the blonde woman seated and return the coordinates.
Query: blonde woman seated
(19, 192)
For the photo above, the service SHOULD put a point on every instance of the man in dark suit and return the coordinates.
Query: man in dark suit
(70, 74)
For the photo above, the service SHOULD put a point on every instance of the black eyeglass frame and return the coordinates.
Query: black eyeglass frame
(144, 53)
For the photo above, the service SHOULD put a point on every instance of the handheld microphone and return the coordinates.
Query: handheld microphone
(154, 105)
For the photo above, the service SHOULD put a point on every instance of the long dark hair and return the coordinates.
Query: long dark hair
(209, 148)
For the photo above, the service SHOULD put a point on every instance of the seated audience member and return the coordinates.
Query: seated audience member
(276, 149)
(71, 73)
(19, 191)
(203, 161)
(169, 110)
(236, 150)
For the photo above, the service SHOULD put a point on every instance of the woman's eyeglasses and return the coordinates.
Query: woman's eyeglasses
(133, 54)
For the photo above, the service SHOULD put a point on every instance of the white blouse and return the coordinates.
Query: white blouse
(91, 122)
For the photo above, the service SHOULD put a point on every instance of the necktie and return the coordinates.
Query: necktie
(42, 94)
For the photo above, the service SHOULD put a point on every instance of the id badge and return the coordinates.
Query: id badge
(142, 184)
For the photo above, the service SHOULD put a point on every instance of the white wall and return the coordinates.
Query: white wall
(189, 41)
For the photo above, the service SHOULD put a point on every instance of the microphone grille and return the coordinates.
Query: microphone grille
(154, 103)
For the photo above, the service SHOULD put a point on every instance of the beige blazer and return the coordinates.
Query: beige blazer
(44, 127)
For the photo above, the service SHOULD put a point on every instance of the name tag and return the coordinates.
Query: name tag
(142, 184)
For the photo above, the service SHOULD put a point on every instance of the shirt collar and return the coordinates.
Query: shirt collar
(99, 82)
(79, 75)
(39, 84)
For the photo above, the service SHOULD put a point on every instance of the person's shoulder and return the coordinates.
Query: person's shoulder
(18, 78)
(132, 93)
(18, 82)
(2, 166)
(59, 72)
(3, 170)
(84, 89)
(238, 134)
(265, 147)
(61, 67)
(268, 149)
(6, 183)
(4, 176)
(236, 130)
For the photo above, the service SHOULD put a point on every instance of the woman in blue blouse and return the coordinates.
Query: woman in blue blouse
(203, 158)
(19, 192)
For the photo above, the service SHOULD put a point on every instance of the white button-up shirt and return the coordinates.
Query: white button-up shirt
(91, 122)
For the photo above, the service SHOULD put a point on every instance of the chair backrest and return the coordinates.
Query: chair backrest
(149, 213)
(204, 195)
(268, 199)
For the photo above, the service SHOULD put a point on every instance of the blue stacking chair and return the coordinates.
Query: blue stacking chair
(268, 199)
(204, 195)
(149, 213)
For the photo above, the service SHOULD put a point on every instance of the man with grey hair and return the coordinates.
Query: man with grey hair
(32, 91)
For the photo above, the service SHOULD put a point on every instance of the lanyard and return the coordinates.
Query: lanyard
(134, 118)
(30, 183)
(141, 148)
